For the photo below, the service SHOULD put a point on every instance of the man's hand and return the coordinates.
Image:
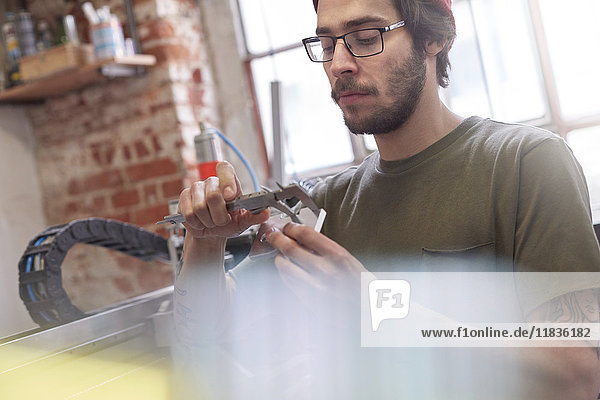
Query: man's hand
(323, 274)
(204, 206)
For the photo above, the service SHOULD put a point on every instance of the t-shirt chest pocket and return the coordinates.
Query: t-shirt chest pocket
(478, 258)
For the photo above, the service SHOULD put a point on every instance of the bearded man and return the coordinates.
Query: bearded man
(440, 188)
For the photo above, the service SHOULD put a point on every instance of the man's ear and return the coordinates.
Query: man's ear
(433, 47)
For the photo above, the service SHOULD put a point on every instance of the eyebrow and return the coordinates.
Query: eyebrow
(353, 24)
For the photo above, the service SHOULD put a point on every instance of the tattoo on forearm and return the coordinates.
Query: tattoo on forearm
(581, 306)
(575, 307)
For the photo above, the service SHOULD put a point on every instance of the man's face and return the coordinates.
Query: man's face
(376, 94)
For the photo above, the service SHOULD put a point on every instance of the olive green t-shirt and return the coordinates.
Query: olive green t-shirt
(489, 196)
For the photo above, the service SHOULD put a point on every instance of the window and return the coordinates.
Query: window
(493, 59)
(532, 61)
(315, 135)
(527, 61)
(586, 147)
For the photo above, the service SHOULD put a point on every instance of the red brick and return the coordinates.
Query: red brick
(141, 149)
(126, 152)
(153, 169)
(169, 52)
(196, 96)
(72, 208)
(197, 75)
(171, 189)
(123, 217)
(155, 29)
(103, 153)
(99, 203)
(94, 206)
(161, 230)
(151, 194)
(75, 186)
(103, 180)
(125, 198)
(149, 215)
(155, 108)
(156, 144)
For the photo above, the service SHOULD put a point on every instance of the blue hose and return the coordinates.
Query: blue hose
(241, 156)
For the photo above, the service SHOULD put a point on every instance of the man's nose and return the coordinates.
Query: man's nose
(343, 61)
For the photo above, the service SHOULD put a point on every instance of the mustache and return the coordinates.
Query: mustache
(351, 85)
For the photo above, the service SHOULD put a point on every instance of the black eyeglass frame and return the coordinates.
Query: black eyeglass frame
(307, 41)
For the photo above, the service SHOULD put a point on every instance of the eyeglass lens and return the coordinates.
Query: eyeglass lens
(361, 43)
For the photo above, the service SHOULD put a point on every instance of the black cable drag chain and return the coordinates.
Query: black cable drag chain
(40, 277)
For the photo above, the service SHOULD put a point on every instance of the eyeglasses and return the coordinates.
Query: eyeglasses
(360, 43)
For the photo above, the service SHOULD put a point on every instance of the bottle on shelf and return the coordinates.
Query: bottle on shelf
(25, 33)
(13, 53)
(45, 35)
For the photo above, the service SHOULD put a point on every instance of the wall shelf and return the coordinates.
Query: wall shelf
(77, 77)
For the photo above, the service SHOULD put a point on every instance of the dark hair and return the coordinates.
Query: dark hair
(426, 22)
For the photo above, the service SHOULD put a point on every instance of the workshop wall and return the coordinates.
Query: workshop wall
(21, 214)
(122, 149)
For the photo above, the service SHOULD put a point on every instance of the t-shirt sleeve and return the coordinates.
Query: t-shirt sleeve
(318, 193)
(554, 231)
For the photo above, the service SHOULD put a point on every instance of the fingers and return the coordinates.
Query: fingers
(315, 241)
(312, 251)
(215, 202)
(203, 204)
(298, 280)
(293, 249)
(229, 184)
(243, 219)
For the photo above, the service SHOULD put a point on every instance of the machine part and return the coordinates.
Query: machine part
(40, 278)
(176, 237)
(278, 164)
(127, 345)
(208, 152)
(281, 200)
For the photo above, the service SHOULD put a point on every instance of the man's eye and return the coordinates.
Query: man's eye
(365, 38)
(366, 41)
(328, 50)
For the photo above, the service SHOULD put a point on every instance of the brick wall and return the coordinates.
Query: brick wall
(122, 149)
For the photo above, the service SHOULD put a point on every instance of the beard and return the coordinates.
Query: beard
(405, 84)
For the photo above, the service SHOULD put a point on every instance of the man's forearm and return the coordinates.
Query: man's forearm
(202, 292)
(566, 372)
(559, 372)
